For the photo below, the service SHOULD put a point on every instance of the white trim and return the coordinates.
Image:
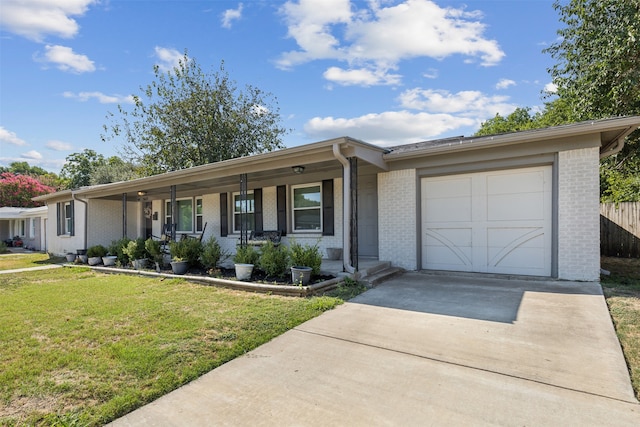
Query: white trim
(294, 209)
(234, 213)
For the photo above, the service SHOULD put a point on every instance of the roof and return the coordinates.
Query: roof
(8, 212)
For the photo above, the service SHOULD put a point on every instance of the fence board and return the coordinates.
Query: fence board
(620, 229)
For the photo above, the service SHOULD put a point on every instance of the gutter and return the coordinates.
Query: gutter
(86, 216)
(346, 203)
(619, 143)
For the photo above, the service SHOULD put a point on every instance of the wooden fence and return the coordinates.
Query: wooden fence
(620, 229)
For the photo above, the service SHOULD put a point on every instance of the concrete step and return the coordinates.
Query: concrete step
(380, 276)
(379, 266)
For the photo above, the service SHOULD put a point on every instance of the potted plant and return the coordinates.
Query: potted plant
(71, 257)
(109, 259)
(305, 262)
(95, 254)
(137, 253)
(154, 250)
(116, 248)
(184, 254)
(244, 260)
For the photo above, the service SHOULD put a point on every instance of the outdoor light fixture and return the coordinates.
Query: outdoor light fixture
(297, 169)
(142, 193)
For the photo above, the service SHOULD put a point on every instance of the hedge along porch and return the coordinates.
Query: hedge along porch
(299, 191)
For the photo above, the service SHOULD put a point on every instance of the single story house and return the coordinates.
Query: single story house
(524, 203)
(28, 224)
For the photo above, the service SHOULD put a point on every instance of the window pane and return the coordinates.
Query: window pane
(306, 197)
(198, 206)
(238, 205)
(185, 215)
(250, 222)
(307, 219)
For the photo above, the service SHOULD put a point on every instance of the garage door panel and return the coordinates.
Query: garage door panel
(506, 218)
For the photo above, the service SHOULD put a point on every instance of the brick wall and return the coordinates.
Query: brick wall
(578, 215)
(397, 220)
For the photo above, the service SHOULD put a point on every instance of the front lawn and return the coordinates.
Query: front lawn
(83, 348)
(622, 291)
(10, 261)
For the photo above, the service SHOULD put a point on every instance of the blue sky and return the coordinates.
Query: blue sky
(388, 72)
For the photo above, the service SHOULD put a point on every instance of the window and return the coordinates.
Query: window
(307, 207)
(32, 228)
(248, 208)
(65, 215)
(21, 228)
(186, 217)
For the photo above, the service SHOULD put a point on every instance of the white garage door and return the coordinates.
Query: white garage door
(490, 222)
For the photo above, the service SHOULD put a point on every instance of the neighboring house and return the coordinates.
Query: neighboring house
(29, 224)
(524, 203)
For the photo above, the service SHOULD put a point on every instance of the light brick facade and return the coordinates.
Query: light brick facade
(578, 215)
(397, 218)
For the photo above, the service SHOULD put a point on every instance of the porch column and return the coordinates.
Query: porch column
(174, 212)
(124, 214)
(353, 220)
(244, 239)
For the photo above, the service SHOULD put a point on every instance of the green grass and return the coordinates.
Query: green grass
(12, 261)
(622, 291)
(83, 348)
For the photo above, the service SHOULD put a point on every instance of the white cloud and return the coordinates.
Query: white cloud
(388, 128)
(380, 37)
(551, 88)
(469, 103)
(35, 19)
(168, 58)
(33, 155)
(431, 73)
(58, 145)
(361, 77)
(505, 83)
(230, 15)
(10, 137)
(66, 59)
(101, 97)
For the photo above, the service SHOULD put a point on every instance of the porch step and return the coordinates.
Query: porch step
(380, 276)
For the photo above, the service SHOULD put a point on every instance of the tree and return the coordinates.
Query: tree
(49, 179)
(186, 118)
(17, 190)
(79, 167)
(113, 169)
(598, 76)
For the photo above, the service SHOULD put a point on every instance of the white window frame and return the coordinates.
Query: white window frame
(198, 202)
(68, 218)
(194, 215)
(234, 213)
(294, 209)
(32, 228)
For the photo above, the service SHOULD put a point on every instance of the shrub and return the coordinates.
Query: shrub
(212, 253)
(305, 256)
(273, 259)
(154, 250)
(186, 250)
(246, 255)
(3, 248)
(96, 251)
(135, 249)
(117, 248)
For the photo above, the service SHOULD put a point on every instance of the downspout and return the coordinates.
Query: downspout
(346, 203)
(86, 217)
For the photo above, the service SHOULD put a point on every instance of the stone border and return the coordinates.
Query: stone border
(285, 290)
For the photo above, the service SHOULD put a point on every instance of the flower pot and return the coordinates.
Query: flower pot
(94, 260)
(179, 267)
(139, 264)
(301, 275)
(71, 257)
(81, 251)
(243, 271)
(334, 253)
(83, 258)
(109, 260)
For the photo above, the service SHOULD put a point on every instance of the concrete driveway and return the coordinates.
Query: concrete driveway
(425, 349)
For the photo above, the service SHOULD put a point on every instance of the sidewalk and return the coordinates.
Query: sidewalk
(22, 270)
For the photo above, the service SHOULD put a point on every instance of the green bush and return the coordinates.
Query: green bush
(186, 250)
(154, 250)
(273, 259)
(305, 256)
(135, 249)
(246, 255)
(117, 248)
(3, 248)
(212, 254)
(97, 251)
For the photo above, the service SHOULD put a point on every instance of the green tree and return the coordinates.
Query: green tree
(45, 177)
(598, 75)
(17, 190)
(186, 118)
(113, 169)
(79, 167)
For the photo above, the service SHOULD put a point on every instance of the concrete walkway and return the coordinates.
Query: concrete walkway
(425, 350)
(22, 270)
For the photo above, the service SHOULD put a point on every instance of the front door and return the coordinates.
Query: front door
(368, 215)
